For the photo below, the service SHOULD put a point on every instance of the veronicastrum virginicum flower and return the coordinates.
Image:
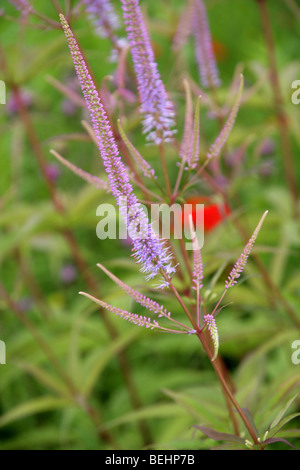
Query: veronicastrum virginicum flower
(156, 108)
(149, 250)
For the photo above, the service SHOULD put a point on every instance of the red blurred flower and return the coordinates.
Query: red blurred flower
(214, 213)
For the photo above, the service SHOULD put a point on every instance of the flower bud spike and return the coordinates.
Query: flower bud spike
(195, 144)
(141, 163)
(242, 261)
(156, 108)
(210, 321)
(217, 146)
(91, 179)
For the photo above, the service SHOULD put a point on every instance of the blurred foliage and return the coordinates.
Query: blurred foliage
(62, 386)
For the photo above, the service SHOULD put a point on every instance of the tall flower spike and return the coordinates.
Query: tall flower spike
(210, 321)
(217, 146)
(204, 48)
(149, 249)
(156, 108)
(134, 318)
(242, 261)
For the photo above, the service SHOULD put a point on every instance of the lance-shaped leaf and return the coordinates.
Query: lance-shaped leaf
(91, 179)
(141, 163)
(213, 330)
(219, 436)
(217, 146)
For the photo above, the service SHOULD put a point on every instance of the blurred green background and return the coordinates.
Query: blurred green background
(76, 380)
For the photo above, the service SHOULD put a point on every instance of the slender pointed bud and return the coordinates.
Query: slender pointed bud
(149, 250)
(210, 321)
(204, 48)
(197, 259)
(188, 123)
(141, 163)
(156, 108)
(184, 27)
(193, 158)
(216, 148)
(242, 261)
(91, 179)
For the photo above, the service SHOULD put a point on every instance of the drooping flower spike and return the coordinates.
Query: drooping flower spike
(143, 300)
(149, 250)
(139, 320)
(156, 108)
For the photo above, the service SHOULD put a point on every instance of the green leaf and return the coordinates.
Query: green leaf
(32, 407)
(157, 411)
(275, 429)
(282, 412)
(101, 358)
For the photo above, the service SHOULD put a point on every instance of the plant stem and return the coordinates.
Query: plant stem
(216, 365)
(289, 167)
(226, 388)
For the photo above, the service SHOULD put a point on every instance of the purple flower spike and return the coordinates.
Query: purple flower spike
(139, 320)
(23, 6)
(204, 49)
(242, 261)
(103, 15)
(149, 250)
(157, 109)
